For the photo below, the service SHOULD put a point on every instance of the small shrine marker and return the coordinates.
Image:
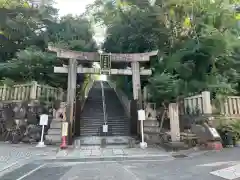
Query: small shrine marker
(43, 122)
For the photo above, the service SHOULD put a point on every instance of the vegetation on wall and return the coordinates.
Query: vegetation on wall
(198, 42)
(24, 35)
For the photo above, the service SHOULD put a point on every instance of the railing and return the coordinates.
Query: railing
(104, 105)
(198, 104)
(122, 97)
(30, 91)
(84, 92)
(230, 106)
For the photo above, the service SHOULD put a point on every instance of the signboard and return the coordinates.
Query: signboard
(105, 128)
(141, 115)
(64, 129)
(105, 63)
(214, 132)
(43, 120)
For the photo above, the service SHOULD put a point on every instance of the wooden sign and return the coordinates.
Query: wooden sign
(105, 64)
(64, 128)
(44, 120)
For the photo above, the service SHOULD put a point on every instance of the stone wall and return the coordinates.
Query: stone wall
(19, 121)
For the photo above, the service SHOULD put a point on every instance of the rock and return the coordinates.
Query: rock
(26, 139)
(151, 129)
(151, 123)
(20, 111)
(33, 132)
(7, 113)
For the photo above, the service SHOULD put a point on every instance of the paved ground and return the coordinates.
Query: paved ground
(110, 151)
(207, 166)
(12, 155)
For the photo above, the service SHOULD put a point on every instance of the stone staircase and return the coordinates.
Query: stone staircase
(152, 131)
(92, 117)
(54, 132)
(117, 120)
(151, 126)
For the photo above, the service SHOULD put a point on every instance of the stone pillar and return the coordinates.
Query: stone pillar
(206, 98)
(137, 95)
(33, 92)
(4, 92)
(145, 94)
(71, 96)
(136, 79)
(174, 122)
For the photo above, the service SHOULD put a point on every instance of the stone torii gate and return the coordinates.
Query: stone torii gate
(105, 60)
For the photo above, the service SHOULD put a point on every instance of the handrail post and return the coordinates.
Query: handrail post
(104, 105)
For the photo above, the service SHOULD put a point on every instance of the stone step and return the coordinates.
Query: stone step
(53, 139)
(109, 121)
(153, 123)
(152, 138)
(100, 130)
(151, 129)
(54, 132)
(56, 125)
(92, 117)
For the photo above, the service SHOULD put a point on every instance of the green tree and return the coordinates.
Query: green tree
(24, 36)
(198, 42)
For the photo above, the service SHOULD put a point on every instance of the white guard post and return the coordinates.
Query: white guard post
(105, 128)
(142, 117)
(43, 122)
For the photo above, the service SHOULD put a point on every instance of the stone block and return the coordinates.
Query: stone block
(154, 138)
(151, 129)
(154, 123)
(54, 132)
(118, 152)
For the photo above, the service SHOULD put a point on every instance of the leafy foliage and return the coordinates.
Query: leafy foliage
(24, 35)
(198, 43)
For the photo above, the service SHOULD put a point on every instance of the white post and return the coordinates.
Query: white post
(142, 117)
(142, 132)
(43, 122)
(41, 143)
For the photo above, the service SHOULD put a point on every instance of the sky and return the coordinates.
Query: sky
(72, 6)
(77, 7)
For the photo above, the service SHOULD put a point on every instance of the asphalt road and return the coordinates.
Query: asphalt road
(201, 167)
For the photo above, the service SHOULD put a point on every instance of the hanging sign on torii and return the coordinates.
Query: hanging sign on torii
(105, 64)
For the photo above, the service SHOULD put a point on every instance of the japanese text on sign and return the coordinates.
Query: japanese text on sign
(105, 63)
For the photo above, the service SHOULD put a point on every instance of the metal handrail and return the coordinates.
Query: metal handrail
(104, 105)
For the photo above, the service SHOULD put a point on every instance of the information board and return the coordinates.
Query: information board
(105, 63)
(43, 120)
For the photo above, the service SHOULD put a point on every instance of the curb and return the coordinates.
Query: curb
(114, 158)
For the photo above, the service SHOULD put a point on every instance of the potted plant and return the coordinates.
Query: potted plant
(235, 129)
(226, 134)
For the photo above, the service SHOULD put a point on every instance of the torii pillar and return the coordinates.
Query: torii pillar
(137, 97)
(71, 96)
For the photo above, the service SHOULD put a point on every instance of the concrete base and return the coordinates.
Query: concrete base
(100, 140)
(41, 145)
(143, 145)
(175, 146)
